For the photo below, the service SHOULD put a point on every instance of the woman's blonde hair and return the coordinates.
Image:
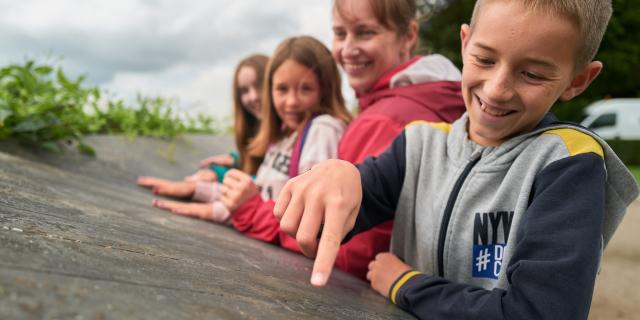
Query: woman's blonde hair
(312, 54)
(396, 15)
(245, 123)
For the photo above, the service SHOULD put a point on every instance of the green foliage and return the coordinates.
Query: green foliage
(627, 151)
(441, 32)
(636, 172)
(40, 105)
(618, 51)
(620, 55)
(151, 117)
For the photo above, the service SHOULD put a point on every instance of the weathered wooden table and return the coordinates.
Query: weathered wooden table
(79, 240)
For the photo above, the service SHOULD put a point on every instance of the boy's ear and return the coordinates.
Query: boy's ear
(582, 80)
(465, 32)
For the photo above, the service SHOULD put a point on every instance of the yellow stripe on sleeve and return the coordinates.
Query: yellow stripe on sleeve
(400, 282)
(578, 142)
(442, 126)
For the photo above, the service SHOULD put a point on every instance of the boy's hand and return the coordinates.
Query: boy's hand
(237, 188)
(224, 160)
(384, 270)
(329, 193)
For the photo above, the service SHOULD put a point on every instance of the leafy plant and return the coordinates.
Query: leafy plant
(40, 105)
(627, 150)
(636, 172)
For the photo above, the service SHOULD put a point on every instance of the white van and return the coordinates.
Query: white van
(614, 118)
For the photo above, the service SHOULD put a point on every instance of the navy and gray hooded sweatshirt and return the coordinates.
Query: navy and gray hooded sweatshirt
(508, 232)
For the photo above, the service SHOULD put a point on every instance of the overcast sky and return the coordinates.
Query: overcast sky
(183, 49)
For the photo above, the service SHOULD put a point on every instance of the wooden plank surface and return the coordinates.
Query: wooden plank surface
(78, 239)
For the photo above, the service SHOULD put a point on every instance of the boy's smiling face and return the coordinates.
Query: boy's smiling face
(517, 63)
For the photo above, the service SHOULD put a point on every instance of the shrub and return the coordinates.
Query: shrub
(40, 105)
(627, 150)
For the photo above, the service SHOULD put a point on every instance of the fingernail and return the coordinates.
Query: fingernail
(318, 279)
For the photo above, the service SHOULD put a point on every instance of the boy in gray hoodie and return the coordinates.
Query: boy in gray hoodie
(504, 213)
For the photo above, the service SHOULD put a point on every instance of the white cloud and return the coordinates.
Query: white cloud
(184, 49)
(200, 90)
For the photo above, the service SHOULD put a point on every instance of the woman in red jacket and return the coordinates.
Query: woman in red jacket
(372, 42)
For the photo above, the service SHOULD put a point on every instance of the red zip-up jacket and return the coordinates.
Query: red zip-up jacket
(384, 112)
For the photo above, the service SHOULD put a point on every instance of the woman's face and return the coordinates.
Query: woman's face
(364, 47)
(295, 92)
(249, 91)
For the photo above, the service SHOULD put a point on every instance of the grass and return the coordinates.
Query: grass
(636, 172)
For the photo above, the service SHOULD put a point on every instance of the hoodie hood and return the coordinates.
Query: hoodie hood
(430, 83)
(433, 68)
(621, 189)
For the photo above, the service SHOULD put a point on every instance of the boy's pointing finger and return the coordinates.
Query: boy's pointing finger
(283, 201)
(330, 240)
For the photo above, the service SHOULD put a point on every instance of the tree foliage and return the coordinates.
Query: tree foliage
(619, 52)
